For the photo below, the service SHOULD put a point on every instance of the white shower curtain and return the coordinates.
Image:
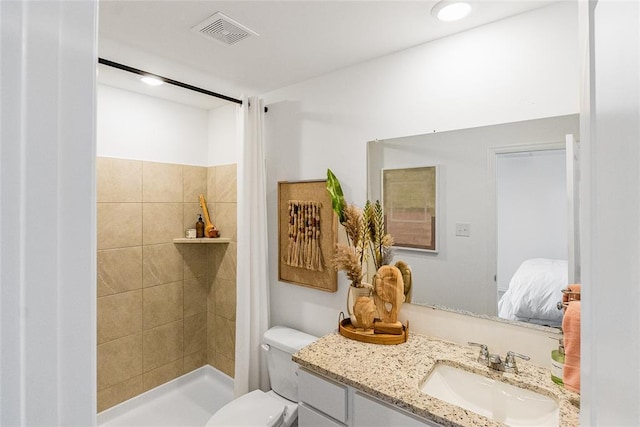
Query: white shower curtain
(252, 312)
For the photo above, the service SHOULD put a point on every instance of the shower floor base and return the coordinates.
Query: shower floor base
(188, 401)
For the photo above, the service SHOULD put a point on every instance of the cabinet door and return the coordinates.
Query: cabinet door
(309, 417)
(369, 412)
(323, 394)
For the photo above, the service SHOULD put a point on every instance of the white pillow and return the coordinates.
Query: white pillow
(536, 288)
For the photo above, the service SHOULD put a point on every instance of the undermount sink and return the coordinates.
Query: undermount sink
(505, 403)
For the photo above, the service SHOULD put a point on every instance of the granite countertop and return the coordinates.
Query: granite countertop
(394, 374)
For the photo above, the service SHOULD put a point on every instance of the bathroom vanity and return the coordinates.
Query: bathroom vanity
(349, 383)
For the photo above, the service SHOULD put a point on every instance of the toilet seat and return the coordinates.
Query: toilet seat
(253, 409)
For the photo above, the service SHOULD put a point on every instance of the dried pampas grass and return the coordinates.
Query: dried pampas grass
(353, 224)
(348, 258)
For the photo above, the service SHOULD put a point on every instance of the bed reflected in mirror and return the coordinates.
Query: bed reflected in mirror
(534, 292)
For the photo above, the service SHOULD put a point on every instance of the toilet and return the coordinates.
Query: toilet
(279, 406)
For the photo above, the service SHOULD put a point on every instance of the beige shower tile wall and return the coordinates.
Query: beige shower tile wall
(222, 261)
(153, 295)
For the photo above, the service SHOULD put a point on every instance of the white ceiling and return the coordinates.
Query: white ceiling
(298, 40)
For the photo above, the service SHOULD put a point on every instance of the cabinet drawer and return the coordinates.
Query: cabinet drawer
(309, 417)
(323, 394)
(370, 412)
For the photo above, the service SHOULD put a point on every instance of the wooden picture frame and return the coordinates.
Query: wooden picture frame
(310, 200)
(410, 206)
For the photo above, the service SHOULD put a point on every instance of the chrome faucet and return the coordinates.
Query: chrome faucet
(483, 357)
(510, 361)
(494, 361)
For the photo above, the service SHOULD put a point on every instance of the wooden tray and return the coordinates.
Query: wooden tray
(346, 329)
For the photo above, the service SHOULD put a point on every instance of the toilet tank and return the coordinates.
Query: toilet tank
(281, 343)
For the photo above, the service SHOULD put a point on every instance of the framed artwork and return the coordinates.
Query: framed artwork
(410, 206)
(307, 235)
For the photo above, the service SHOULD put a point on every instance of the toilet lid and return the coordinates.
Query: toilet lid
(252, 409)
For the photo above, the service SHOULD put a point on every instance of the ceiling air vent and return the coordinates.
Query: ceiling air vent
(223, 29)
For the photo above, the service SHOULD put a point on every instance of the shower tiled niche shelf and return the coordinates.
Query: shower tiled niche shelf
(203, 240)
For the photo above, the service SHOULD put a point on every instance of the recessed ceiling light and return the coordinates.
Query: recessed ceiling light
(151, 81)
(451, 10)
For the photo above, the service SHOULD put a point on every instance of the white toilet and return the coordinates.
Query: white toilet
(279, 406)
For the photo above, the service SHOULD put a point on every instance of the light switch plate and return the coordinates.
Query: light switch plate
(463, 229)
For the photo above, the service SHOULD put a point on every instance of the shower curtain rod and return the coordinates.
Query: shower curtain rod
(166, 80)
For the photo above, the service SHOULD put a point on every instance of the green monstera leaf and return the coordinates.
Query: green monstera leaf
(337, 198)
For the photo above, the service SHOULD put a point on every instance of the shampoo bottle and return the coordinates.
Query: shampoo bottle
(199, 227)
(557, 363)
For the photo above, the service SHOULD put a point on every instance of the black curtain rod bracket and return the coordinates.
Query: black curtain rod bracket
(167, 80)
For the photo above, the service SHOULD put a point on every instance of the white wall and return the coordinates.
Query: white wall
(610, 208)
(223, 135)
(516, 69)
(47, 224)
(140, 127)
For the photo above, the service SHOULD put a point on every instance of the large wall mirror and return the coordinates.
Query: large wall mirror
(504, 215)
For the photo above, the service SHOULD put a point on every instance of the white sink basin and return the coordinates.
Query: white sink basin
(499, 401)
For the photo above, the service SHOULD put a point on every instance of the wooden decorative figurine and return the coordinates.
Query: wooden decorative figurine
(389, 293)
(210, 229)
(406, 277)
(365, 312)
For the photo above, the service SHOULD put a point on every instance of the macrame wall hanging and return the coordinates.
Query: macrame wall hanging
(307, 235)
(304, 250)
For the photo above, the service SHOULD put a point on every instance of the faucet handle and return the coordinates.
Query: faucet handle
(510, 361)
(483, 357)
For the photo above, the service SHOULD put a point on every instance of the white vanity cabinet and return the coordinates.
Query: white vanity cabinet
(324, 402)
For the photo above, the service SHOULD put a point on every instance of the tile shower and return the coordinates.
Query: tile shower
(164, 309)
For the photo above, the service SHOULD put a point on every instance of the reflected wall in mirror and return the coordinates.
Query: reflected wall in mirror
(463, 275)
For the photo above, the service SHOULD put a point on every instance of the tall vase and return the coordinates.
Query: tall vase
(364, 290)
